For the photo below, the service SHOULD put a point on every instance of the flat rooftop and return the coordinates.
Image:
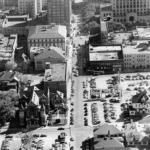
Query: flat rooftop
(103, 56)
(143, 33)
(17, 16)
(105, 48)
(120, 37)
(140, 47)
(56, 73)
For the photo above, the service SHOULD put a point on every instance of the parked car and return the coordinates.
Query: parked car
(114, 101)
(60, 129)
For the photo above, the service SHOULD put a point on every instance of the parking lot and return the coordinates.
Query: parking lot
(112, 94)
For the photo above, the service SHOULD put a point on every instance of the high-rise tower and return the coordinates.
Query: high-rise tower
(59, 12)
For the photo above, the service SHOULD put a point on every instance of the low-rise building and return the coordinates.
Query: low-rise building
(47, 35)
(105, 59)
(8, 80)
(105, 137)
(136, 136)
(142, 33)
(52, 55)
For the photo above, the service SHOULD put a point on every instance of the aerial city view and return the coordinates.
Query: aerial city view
(74, 74)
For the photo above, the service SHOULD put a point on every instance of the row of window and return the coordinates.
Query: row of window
(47, 44)
(46, 40)
(119, 14)
(137, 67)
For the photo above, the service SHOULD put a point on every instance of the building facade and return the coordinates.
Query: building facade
(59, 12)
(8, 3)
(7, 49)
(46, 36)
(38, 108)
(55, 57)
(44, 4)
(137, 56)
(105, 59)
(31, 7)
(131, 10)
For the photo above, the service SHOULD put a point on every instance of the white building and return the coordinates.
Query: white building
(137, 56)
(131, 10)
(31, 7)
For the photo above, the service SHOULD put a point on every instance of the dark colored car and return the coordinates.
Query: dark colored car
(60, 129)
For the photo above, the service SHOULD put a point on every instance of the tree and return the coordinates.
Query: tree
(91, 26)
(8, 103)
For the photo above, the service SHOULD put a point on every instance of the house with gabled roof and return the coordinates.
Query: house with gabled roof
(103, 130)
(9, 80)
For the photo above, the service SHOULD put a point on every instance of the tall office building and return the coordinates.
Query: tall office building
(31, 7)
(44, 4)
(8, 3)
(131, 10)
(59, 12)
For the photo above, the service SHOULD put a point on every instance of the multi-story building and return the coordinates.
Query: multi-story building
(131, 10)
(137, 56)
(8, 46)
(8, 3)
(38, 108)
(47, 35)
(106, 11)
(59, 12)
(52, 55)
(31, 7)
(105, 59)
(44, 4)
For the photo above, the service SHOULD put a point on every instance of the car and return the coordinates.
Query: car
(71, 122)
(71, 148)
(113, 117)
(102, 100)
(36, 135)
(108, 95)
(107, 120)
(85, 114)
(71, 139)
(43, 135)
(85, 104)
(85, 123)
(60, 129)
(83, 84)
(114, 101)
(9, 137)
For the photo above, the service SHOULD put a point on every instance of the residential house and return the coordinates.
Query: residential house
(135, 136)
(140, 104)
(105, 137)
(8, 80)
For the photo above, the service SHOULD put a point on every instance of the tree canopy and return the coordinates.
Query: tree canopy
(8, 103)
